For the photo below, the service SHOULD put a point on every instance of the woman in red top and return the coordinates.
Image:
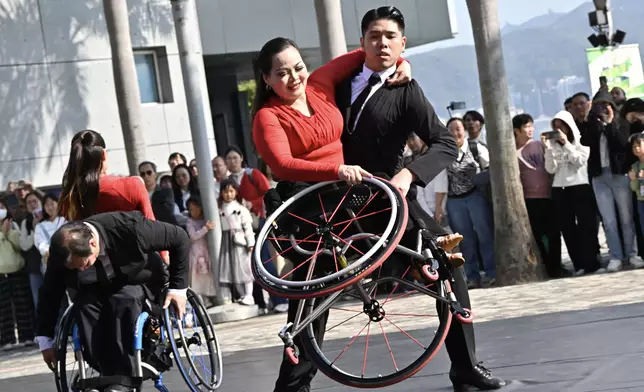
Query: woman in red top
(252, 183)
(88, 190)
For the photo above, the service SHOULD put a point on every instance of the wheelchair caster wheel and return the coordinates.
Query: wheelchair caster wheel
(468, 318)
(292, 355)
(430, 273)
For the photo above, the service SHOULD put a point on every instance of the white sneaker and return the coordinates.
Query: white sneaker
(247, 300)
(281, 308)
(614, 265)
(636, 262)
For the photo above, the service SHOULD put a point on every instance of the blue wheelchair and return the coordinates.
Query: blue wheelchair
(159, 340)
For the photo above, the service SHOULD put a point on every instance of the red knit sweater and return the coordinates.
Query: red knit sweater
(300, 148)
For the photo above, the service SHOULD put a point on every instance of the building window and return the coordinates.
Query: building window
(153, 75)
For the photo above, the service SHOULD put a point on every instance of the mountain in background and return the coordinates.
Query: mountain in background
(538, 53)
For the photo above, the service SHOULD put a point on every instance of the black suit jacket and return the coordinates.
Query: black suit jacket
(388, 118)
(128, 238)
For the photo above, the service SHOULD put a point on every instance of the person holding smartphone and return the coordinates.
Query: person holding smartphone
(608, 165)
(567, 159)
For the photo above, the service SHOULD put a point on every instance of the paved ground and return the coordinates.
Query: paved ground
(519, 326)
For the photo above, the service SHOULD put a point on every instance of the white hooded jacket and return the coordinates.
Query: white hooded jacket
(568, 163)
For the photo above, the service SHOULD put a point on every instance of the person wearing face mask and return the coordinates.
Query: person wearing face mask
(633, 112)
(31, 254)
(16, 306)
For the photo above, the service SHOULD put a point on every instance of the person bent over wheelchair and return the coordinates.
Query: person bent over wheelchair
(111, 260)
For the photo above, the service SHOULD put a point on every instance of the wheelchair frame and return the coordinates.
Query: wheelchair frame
(428, 257)
(145, 370)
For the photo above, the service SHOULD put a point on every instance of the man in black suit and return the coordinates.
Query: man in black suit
(379, 118)
(110, 259)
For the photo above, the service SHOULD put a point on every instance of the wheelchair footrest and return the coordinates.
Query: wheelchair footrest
(104, 381)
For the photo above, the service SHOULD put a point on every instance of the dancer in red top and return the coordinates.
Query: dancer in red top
(297, 128)
(88, 190)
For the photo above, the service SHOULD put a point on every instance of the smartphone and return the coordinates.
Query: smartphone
(552, 135)
(603, 81)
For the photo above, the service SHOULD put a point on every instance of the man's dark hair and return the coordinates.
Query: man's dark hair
(72, 239)
(568, 101)
(474, 115)
(521, 119)
(580, 94)
(388, 12)
(154, 167)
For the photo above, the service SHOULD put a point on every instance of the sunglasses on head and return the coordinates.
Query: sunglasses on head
(146, 173)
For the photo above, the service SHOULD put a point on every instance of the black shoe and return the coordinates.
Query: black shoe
(478, 377)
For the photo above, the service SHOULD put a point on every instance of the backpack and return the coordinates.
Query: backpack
(482, 179)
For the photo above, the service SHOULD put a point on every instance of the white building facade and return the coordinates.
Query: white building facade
(56, 72)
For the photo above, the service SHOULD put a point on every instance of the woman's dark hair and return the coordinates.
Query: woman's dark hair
(451, 120)
(177, 155)
(225, 184)
(192, 186)
(388, 12)
(29, 225)
(163, 205)
(3, 201)
(264, 65)
(476, 116)
(48, 196)
(80, 181)
(238, 151)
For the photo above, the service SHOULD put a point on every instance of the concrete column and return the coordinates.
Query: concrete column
(192, 69)
(331, 29)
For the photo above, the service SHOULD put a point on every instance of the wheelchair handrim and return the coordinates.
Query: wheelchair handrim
(263, 234)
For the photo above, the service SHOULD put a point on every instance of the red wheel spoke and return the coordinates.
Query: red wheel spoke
(350, 343)
(406, 334)
(288, 239)
(289, 248)
(358, 217)
(406, 294)
(391, 353)
(396, 285)
(347, 310)
(351, 246)
(340, 203)
(322, 206)
(335, 259)
(360, 212)
(317, 252)
(345, 321)
(366, 350)
(303, 219)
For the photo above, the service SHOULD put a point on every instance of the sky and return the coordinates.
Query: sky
(510, 11)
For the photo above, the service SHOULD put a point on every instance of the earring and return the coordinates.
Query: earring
(268, 88)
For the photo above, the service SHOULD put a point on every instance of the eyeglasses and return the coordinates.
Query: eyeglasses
(146, 173)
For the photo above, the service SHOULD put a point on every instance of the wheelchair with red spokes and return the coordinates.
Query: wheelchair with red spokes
(338, 236)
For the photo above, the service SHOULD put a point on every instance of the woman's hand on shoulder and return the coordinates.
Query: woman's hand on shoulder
(402, 75)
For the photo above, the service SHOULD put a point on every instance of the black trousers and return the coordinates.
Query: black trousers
(106, 319)
(459, 342)
(575, 210)
(544, 223)
(16, 308)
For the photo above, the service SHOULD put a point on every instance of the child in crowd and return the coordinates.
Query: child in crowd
(201, 277)
(636, 174)
(237, 244)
